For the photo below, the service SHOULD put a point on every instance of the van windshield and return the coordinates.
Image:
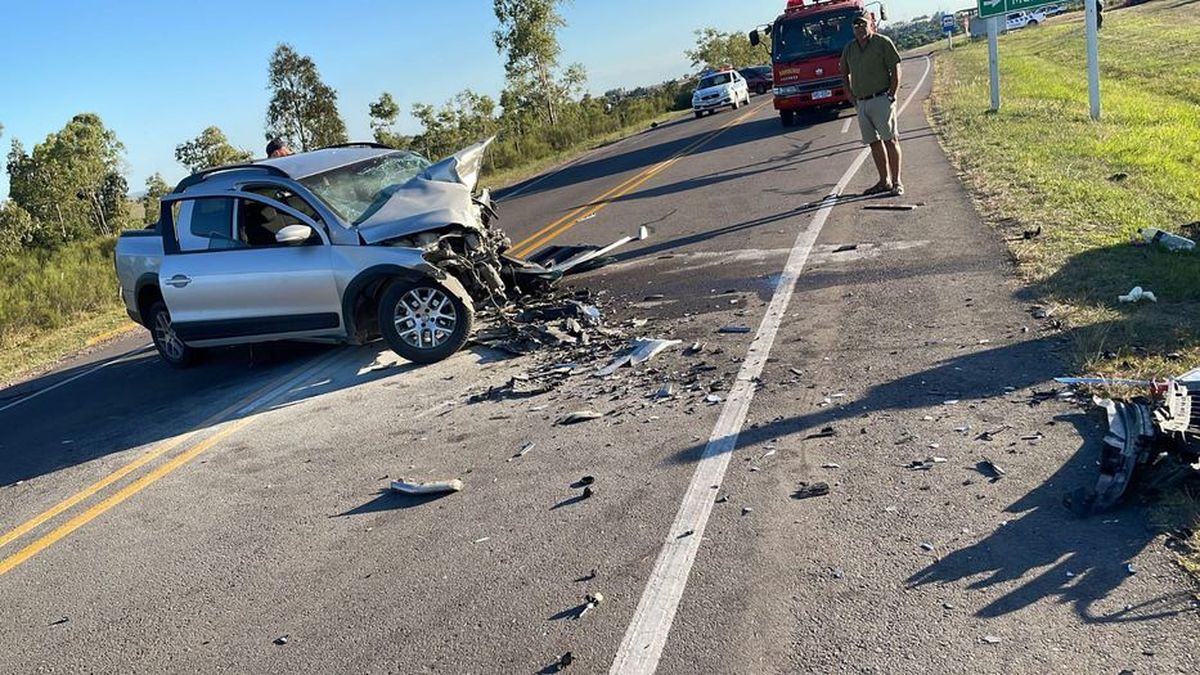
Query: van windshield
(806, 37)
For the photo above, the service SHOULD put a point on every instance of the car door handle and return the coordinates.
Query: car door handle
(178, 281)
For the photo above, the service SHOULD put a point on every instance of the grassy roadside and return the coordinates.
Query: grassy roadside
(1040, 162)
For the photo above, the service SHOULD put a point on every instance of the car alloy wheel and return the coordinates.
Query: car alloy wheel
(425, 318)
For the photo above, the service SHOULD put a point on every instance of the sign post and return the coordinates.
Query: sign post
(995, 11)
(994, 60)
(948, 29)
(1093, 55)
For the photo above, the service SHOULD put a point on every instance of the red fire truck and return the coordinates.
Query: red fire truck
(806, 45)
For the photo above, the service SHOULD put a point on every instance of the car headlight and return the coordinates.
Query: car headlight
(790, 90)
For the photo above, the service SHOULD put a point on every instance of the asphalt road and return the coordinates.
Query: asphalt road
(156, 520)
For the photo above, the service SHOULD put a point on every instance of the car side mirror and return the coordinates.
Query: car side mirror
(293, 234)
(754, 39)
(882, 13)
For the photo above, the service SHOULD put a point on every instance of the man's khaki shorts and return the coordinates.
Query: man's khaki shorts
(877, 119)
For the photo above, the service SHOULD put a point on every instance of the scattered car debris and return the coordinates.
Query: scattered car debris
(990, 639)
(481, 540)
(590, 602)
(831, 465)
(1172, 242)
(712, 399)
(808, 490)
(695, 348)
(846, 247)
(1136, 294)
(574, 259)
(889, 207)
(927, 546)
(584, 482)
(989, 469)
(281, 640)
(1157, 434)
(1130, 569)
(733, 329)
(428, 487)
(826, 432)
(639, 352)
(1032, 234)
(580, 416)
(746, 510)
(524, 449)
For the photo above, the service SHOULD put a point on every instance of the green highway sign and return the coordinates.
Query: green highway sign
(1001, 7)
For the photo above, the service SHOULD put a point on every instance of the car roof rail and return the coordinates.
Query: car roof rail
(201, 176)
(360, 144)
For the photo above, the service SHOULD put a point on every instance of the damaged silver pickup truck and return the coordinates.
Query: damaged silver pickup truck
(342, 244)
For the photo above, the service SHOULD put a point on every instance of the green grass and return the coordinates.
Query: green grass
(52, 302)
(1090, 186)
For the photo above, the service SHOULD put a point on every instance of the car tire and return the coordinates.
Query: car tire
(170, 348)
(1032, 23)
(699, 114)
(761, 89)
(787, 117)
(441, 320)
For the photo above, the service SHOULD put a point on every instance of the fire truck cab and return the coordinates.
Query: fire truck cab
(806, 46)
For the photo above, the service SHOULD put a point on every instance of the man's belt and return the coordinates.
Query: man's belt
(875, 95)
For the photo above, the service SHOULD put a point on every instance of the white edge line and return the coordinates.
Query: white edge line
(644, 640)
(846, 126)
(119, 359)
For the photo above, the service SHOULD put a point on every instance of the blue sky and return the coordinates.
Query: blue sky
(159, 73)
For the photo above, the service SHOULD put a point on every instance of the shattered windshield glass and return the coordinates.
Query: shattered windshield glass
(816, 36)
(356, 191)
(714, 80)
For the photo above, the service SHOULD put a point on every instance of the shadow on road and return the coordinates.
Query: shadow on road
(390, 500)
(140, 400)
(1080, 564)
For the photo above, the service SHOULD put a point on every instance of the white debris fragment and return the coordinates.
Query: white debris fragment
(427, 488)
(1136, 294)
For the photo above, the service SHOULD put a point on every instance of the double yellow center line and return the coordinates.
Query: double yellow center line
(235, 417)
(549, 232)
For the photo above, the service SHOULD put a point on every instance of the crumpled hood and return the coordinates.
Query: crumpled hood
(438, 196)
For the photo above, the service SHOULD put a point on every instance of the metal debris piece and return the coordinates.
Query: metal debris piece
(574, 259)
(831, 465)
(733, 329)
(665, 391)
(889, 207)
(640, 351)
(990, 639)
(990, 469)
(281, 640)
(695, 348)
(712, 399)
(722, 499)
(585, 481)
(653, 296)
(826, 432)
(846, 247)
(427, 487)
(1103, 381)
(580, 416)
(746, 510)
(524, 449)
(927, 546)
(1130, 569)
(566, 660)
(808, 490)
(481, 540)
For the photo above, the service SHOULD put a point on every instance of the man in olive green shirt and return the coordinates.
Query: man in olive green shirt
(871, 68)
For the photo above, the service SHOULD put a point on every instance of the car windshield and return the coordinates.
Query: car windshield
(802, 38)
(356, 191)
(715, 80)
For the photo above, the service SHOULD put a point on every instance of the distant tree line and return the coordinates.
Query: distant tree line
(71, 186)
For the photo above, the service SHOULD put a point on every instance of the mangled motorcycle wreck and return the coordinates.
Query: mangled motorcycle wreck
(341, 244)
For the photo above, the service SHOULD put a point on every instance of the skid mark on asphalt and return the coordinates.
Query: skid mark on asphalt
(644, 640)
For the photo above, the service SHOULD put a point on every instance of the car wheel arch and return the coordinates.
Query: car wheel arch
(146, 293)
(360, 302)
